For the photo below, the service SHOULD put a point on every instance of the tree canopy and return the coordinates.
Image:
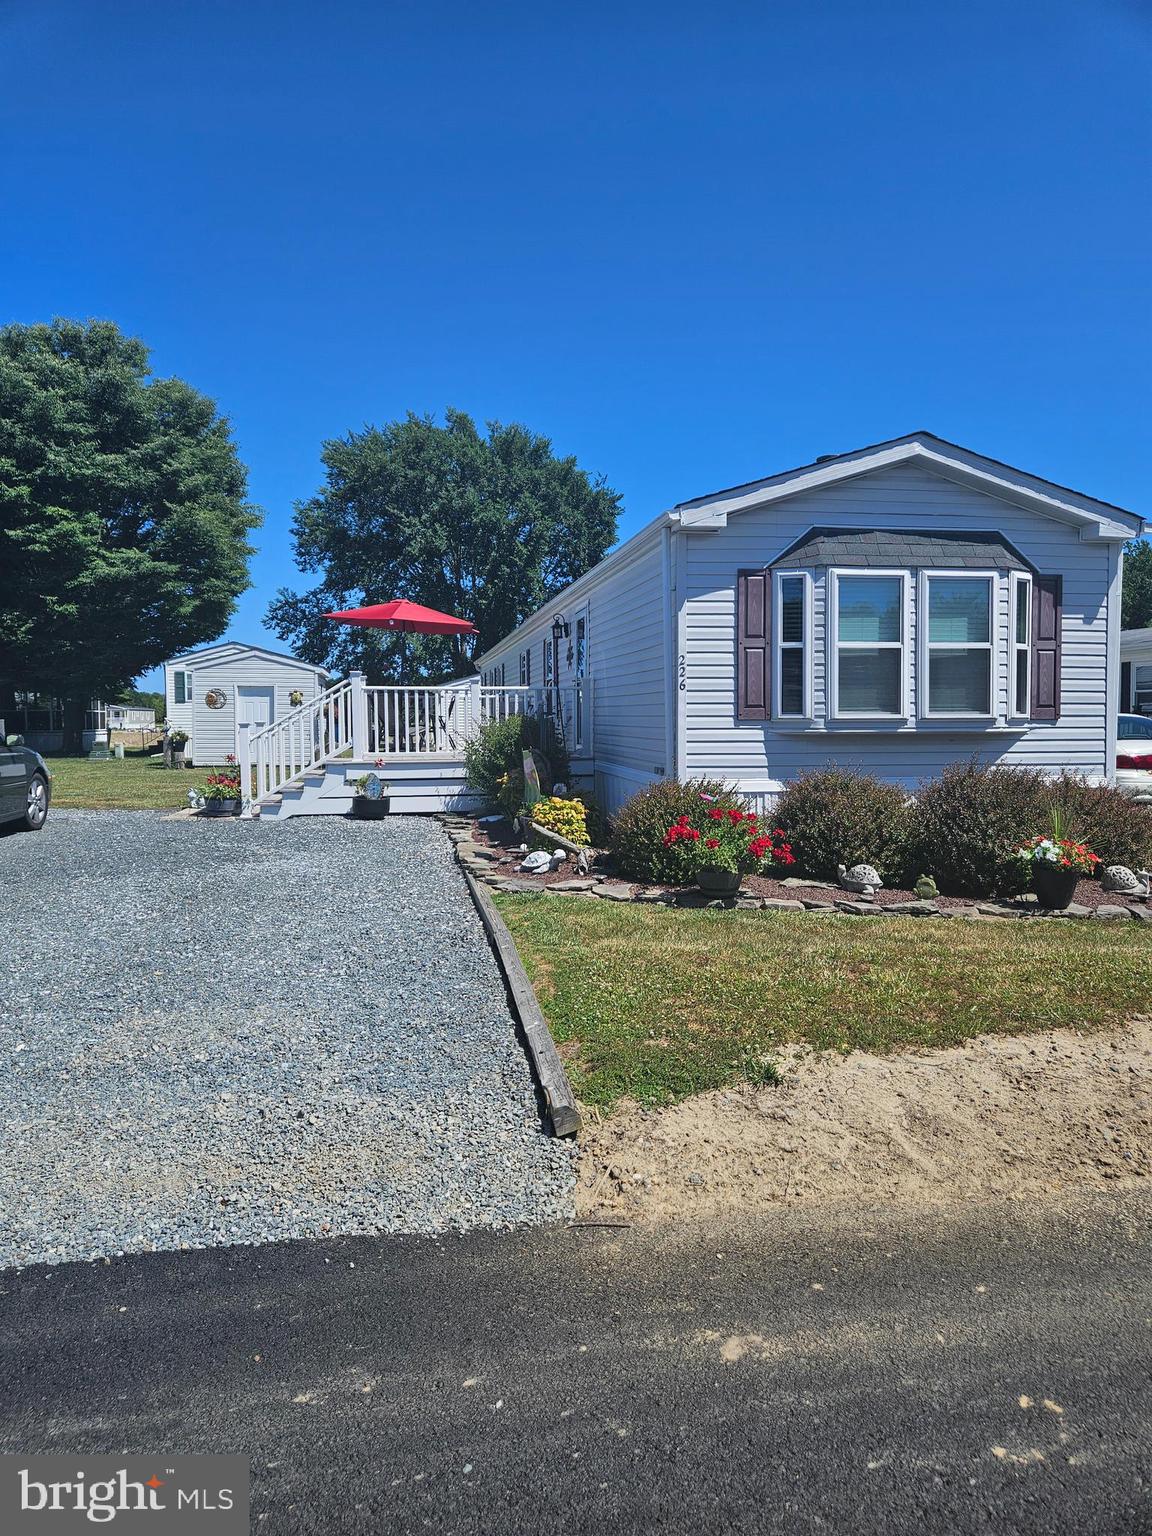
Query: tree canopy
(486, 527)
(123, 519)
(1136, 600)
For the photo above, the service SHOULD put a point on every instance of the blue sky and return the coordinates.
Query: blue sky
(692, 244)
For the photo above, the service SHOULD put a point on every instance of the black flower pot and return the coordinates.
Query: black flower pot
(718, 882)
(221, 807)
(1054, 885)
(364, 809)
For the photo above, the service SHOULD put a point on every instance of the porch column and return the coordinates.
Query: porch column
(359, 703)
(244, 767)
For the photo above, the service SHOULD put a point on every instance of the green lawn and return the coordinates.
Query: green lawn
(658, 1004)
(137, 783)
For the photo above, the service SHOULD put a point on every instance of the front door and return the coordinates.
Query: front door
(255, 706)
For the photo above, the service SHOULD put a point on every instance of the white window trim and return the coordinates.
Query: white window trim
(924, 646)
(1019, 579)
(832, 644)
(779, 645)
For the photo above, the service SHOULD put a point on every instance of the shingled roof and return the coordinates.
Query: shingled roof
(903, 548)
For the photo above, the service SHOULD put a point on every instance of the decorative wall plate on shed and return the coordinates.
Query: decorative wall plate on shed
(215, 698)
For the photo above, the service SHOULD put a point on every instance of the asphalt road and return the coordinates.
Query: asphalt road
(984, 1371)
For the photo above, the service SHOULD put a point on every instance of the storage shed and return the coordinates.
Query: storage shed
(208, 691)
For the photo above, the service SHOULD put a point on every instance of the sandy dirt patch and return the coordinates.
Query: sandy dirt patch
(1000, 1115)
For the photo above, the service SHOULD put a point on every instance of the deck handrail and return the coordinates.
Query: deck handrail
(308, 736)
(395, 720)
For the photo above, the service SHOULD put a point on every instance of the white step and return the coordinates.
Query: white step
(415, 786)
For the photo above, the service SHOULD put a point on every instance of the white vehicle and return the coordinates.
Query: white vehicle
(1134, 756)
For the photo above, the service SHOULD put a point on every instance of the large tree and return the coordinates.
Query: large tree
(486, 527)
(123, 519)
(1136, 601)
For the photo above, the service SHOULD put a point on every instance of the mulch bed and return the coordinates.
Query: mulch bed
(499, 835)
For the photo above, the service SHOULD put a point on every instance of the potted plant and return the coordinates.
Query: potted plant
(175, 742)
(370, 800)
(221, 791)
(1056, 862)
(717, 848)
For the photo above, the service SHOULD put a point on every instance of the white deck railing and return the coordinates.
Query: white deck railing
(312, 734)
(388, 722)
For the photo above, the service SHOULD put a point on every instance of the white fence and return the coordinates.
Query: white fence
(366, 723)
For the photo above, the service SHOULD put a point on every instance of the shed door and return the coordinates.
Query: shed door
(255, 706)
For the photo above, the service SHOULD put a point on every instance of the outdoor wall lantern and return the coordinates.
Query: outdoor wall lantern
(560, 631)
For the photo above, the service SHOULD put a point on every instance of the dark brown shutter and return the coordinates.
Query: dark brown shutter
(753, 668)
(1047, 602)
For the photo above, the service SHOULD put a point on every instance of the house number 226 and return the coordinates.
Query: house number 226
(682, 672)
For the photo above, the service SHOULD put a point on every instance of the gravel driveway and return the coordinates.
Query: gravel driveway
(235, 1033)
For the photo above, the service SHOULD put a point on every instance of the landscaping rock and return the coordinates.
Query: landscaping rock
(1141, 914)
(1111, 914)
(662, 898)
(816, 905)
(613, 890)
(1000, 909)
(746, 902)
(911, 909)
(1073, 909)
(565, 887)
(819, 885)
(778, 904)
(860, 908)
(969, 913)
(519, 887)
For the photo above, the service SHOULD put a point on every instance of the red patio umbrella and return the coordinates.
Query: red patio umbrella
(409, 618)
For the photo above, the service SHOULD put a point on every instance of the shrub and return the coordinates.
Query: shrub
(494, 760)
(834, 816)
(967, 824)
(567, 818)
(637, 831)
(1114, 826)
(711, 838)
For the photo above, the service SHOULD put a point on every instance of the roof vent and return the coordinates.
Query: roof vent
(826, 458)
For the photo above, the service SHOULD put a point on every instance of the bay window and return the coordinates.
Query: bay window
(870, 628)
(957, 616)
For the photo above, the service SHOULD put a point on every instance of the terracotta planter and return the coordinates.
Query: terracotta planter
(1054, 886)
(718, 882)
(364, 809)
(221, 807)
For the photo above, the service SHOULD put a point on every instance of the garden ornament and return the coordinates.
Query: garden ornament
(559, 859)
(538, 863)
(926, 888)
(1118, 877)
(861, 877)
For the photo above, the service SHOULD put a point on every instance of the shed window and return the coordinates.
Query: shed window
(180, 687)
(870, 644)
(959, 645)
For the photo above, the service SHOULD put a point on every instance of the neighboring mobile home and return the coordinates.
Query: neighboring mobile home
(209, 690)
(892, 609)
(1136, 672)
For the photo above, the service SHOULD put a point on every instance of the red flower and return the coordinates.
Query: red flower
(711, 842)
(715, 815)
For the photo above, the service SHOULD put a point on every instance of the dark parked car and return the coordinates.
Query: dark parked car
(25, 785)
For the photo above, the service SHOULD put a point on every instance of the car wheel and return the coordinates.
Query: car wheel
(36, 811)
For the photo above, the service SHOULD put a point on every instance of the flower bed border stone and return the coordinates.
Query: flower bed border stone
(478, 860)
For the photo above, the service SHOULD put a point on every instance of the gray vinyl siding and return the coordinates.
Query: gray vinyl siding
(763, 756)
(627, 663)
